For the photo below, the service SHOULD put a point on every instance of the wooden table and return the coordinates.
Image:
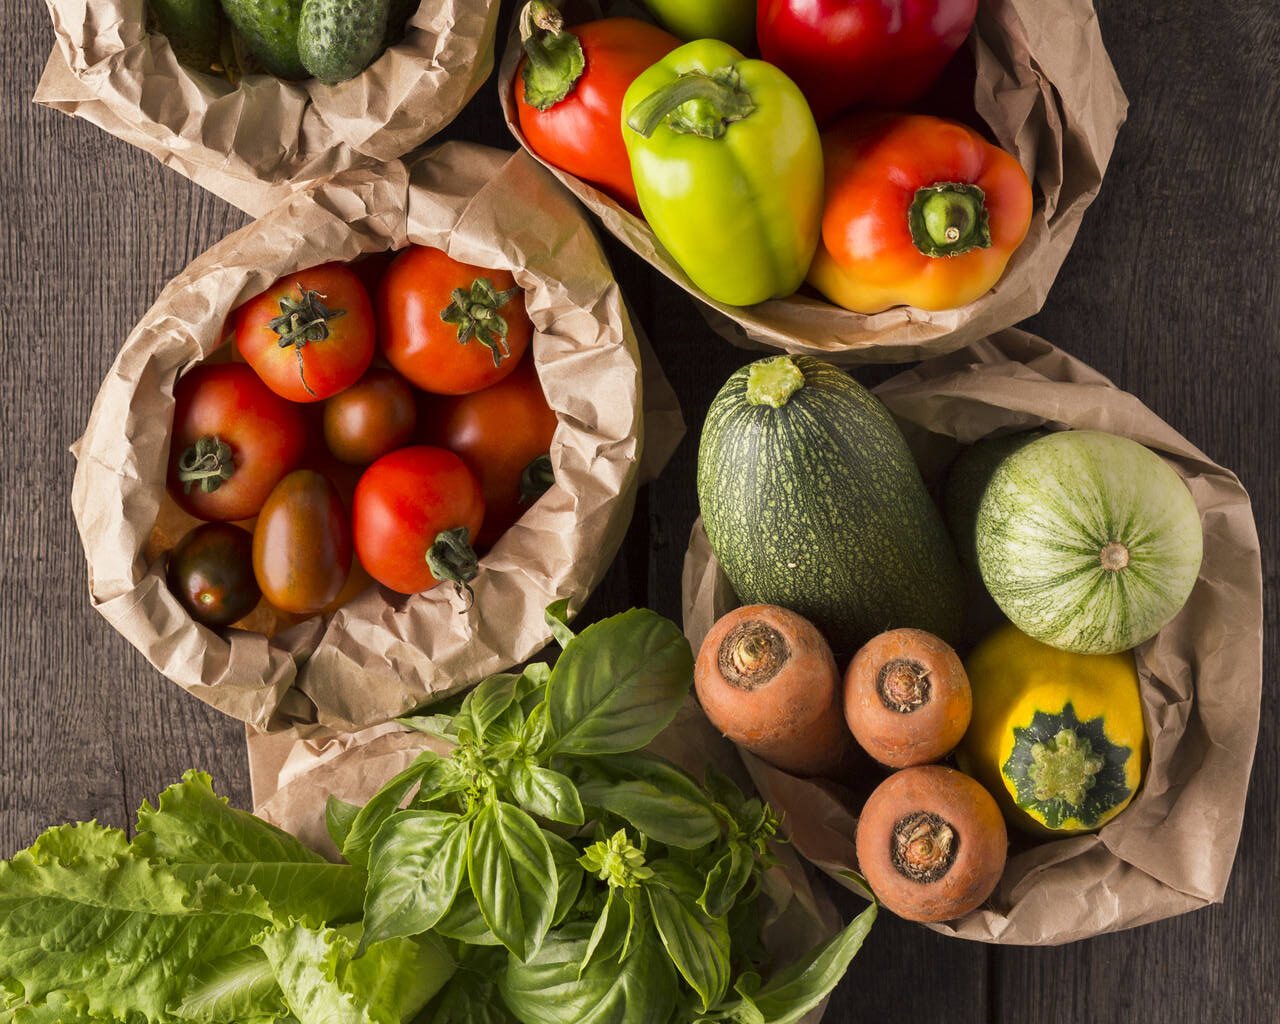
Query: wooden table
(1172, 290)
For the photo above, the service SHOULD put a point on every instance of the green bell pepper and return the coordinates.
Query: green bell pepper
(728, 170)
(730, 21)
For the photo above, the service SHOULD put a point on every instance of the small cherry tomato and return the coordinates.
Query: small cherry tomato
(503, 434)
(310, 334)
(449, 327)
(302, 543)
(232, 441)
(211, 574)
(374, 416)
(414, 515)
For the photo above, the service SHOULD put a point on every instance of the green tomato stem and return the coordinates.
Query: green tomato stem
(451, 558)
(209, 462)
(555, 59)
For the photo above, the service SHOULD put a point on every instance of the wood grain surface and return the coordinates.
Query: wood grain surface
(1172, 290)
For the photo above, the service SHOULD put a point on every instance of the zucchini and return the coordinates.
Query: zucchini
(811, 501)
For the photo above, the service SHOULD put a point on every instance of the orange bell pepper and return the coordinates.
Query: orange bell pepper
(919, 212)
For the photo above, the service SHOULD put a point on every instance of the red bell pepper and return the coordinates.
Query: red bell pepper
(875, 53)
(569, 89)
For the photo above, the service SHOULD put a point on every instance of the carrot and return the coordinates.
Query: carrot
(768, 681)
(931, 843)
(907, 698)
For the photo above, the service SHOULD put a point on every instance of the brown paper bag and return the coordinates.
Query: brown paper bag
(1172, 849)
(253, 142)
(1046, 88)
(382, 654)
(293, 775)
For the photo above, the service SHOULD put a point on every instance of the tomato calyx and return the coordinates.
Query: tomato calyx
(209, 462)
(452, 558)
(301, 321)
(536, 478)
(556, 60)
(476, 314)
(949, 218)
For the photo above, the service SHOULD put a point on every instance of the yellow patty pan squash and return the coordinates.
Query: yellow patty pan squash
(1058, 737)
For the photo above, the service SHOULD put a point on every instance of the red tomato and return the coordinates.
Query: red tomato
(232, 441)
(302, 544)
(210, 572)
(310, 334)
(449, 327)
(417, 506)
(374, 416)
(499, 432)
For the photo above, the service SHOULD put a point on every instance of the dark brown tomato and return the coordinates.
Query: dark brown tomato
(233, 440)
(302, 543)
(374, 416)
(211, 574)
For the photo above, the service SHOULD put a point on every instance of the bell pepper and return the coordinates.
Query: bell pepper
(728, 168)
(919, 212)
(569, 87)
(730, 21)
(877, 53)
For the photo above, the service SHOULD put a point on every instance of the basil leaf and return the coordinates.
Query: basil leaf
(654, 796)
(339, 816)
(557, 617)
(728, 877)
(385, 803)
(697, 944)
(545, 792)
(485, 704)
(471, 997)
(465, 923)
(798, 988)
(618, 684)
(536, 729)
(569, 874)
(724, 791)
(611, 930)
(440, 726)
(547, 989)
(513, 876)
(415, 865)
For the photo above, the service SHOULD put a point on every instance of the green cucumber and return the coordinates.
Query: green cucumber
(193, 28)
(811, 500)
(270, 30)
(1088, 542)
(337, 39)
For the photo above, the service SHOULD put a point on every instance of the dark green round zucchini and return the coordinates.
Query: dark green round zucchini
(811, 500)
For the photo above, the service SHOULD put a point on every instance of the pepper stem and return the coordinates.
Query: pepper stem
(949, 218)
(701, 103)
(773, 381)
(476, 314)
(537, 477)
(209, 462)
(452, 559)
(555, 59)
(302, 321)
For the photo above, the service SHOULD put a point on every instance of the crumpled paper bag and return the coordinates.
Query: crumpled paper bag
(1046, 89)
(293, 774)
(1171, 850)
(382, 654)
(252, 143)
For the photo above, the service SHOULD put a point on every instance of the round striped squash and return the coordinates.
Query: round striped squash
(1088, 542)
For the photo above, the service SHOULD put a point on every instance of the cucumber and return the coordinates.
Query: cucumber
(270, 30)
(811, 500)
(193, 28)
(337, 39)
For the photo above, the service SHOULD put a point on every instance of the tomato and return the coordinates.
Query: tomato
(449, 327)
(503, 434)
(374, 416)
(232, 441)
(211, 574)
(414, 514)
(302, 543)
(310, 334)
